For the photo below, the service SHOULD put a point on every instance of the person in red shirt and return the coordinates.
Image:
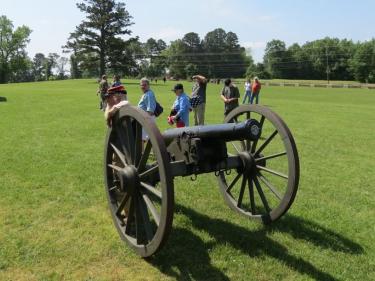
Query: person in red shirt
(255, 91)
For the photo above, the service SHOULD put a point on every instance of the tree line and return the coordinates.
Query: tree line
(323, 59)
(103, 43)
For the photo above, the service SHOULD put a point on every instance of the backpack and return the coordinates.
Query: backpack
(158, 109)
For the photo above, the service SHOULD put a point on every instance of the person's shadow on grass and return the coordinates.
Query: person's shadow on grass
(190, 255)
(3, 99)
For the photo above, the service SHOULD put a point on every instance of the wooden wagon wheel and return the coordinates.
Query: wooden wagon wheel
(265, 187)
(138, 181)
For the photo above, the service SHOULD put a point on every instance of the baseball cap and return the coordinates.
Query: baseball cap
(178, 87)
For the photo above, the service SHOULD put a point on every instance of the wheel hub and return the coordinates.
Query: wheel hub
(129, 179)
(248, 161)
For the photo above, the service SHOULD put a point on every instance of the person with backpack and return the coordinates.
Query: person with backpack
(147, 102)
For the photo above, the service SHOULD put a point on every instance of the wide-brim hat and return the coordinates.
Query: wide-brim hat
(115, 90)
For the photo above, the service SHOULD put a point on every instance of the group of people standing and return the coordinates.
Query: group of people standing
(252, 91)
(230, 94)
(116, 96)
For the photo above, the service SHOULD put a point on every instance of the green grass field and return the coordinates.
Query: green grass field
(55, 223)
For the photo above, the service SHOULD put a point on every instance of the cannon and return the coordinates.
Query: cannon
(252, 154)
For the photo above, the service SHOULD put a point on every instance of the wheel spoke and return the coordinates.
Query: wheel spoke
(131, 139)
(112, 188)
(146, 218)
(234, 182)
(144, 157)
(138, 220)
(243, 145)
(272, 172)
(240, 197)
(120, 155)
(270, 186)
(262, 197)
(138, 143)
(123, 140)
(130, 218)
(260, 149)
(152, 209)
(152, 190)
(235, 147)
(149, 172)
(114, 167)
(122, 204)
(261, 122)
(270, 156)
(251, 194)
(248, 145)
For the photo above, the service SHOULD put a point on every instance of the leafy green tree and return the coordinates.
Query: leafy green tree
(191, 69)
(12, 49)
(75, 71)
(192, 57)
(100, 34)
(174, 55)
(49, 63)
(363, 62)
(224, 57)
(38, 66)
(297, 63)
(214, 47)
(275, 57)
(153, 64)
(21, 68)
(257, 70)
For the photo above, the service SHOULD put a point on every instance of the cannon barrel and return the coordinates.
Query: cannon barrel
(249, 129)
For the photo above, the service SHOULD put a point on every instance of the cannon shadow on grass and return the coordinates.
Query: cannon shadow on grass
(186, 257)
(190, 254)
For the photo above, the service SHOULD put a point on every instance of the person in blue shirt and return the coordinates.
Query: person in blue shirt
(147, 102)
(116, 81)
(181, 108)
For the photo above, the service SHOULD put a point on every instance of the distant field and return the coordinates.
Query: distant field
(55, 224)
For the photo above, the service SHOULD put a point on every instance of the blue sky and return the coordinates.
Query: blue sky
(255, 22)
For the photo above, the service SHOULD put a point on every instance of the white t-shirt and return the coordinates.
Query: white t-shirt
(247, 87)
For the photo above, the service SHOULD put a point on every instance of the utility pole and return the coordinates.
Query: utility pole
(327, 67)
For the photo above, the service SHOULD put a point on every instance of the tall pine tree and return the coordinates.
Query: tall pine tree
(101, 32)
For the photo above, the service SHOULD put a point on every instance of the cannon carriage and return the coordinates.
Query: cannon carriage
(252, 154)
